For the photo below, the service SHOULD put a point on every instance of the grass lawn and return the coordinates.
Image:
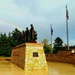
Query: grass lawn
(4, 58)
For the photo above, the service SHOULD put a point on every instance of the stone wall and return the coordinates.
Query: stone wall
(35, 62)
(62, 56)
(29, 56)
(18, 55)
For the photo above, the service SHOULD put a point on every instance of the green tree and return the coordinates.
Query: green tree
(5, 48)
(58, 43)
(47, 47)
(45, 41)
(20, 37)
(15, 35)
(14, 38)
(2, 42)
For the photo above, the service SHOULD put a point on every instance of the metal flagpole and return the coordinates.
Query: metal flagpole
(51, 38)
(67, 17)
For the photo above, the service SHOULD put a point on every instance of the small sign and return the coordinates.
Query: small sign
(35, 54)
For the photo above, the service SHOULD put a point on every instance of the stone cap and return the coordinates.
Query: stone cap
(19, 46)
(34, 44)
(29, 44)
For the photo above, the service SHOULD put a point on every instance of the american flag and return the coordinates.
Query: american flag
(67, 14)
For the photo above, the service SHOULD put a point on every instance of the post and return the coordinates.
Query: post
(67, 34)
(67, 17)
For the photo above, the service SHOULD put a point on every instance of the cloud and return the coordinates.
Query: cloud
(41, 13)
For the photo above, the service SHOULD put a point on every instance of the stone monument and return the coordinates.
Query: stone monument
(29, 56)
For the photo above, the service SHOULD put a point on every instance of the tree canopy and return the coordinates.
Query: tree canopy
(47, 47)
(58, 43)
(12, 39)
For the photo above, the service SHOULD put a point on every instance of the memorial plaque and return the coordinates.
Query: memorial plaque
(35, 54)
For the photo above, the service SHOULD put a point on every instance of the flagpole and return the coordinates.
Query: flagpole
(67, 27)
(67, 34)
(51, 39)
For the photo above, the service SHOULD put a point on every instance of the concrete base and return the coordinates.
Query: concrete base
(29, 56)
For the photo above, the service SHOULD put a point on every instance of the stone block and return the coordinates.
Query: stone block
(29, 56)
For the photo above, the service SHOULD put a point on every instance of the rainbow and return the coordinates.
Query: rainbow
(11, 24)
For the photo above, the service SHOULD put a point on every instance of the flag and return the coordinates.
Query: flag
(67, 14)
(51, 31)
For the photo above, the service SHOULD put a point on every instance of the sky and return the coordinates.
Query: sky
(41, 13)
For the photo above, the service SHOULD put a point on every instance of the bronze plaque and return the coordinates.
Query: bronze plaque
(35, 54)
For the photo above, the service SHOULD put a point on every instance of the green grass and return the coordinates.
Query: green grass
(4, 57)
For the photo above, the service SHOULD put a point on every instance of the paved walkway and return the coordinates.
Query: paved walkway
(55, 68)
(7, 68)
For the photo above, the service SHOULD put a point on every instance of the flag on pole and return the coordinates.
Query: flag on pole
(67, 14)
(51, 30)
